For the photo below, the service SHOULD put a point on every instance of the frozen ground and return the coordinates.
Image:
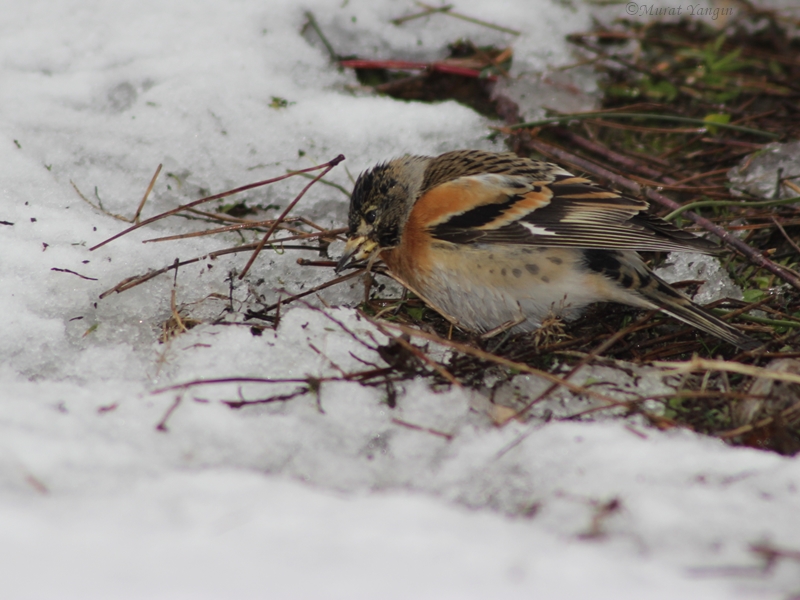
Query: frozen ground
(313, 497)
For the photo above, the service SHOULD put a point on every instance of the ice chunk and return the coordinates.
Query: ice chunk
(681, 266)
(568, 91)
(758, 173)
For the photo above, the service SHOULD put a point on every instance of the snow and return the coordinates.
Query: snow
(323, 495)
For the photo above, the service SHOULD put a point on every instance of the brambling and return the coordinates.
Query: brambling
(488, 239)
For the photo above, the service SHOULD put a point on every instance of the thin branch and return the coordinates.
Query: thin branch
(720, 203)
(428, 11)
(315, 26)
(447, 436)
(196, 382)
(471, 19)
(792, 243)
(416, 352)
(327, 167)
(162, 424)
(333, 184)
(130, 282)
(704, 364)
(146, 194)
(314, 290)
(203, 200)
(655, 117)
(73, 273)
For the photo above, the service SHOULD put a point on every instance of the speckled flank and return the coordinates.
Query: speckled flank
(464, 284)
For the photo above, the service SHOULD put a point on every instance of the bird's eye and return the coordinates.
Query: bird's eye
(370, 217)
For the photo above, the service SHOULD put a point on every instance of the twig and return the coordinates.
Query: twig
(653, 116)
(252, 224)
(471, 19)
(792, 243)
(315, 26)
(771, 553)
(333, 184)
(405, 65)
(146, 194)
(162, 424)
(301, 391)
(416, 352)
(314, 290)
(195, 382)
(217, 216)
(130, 282)
(200, 201)
(341, 326)
(174, 309)
(704, 175)
(99, 205)
(428, 11)
(704, 364)
(720, 203)
(73, 273)
(327, 167)
(446, 436)
(328, 264)
(616, 157)
(645, 128)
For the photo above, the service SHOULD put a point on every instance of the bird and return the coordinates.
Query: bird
(493, 239)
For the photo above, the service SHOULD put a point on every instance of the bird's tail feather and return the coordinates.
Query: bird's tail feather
(672, 302)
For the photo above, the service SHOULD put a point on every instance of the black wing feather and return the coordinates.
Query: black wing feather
(580, 214)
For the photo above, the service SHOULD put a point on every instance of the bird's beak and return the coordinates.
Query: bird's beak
(357, 249)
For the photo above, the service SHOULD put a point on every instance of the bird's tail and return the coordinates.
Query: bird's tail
(674, 303)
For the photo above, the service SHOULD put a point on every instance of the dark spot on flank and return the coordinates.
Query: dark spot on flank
(542, 248)
(545, 278)
(503, 272)
(491, 271)
(517, 272)
(626, 280)
(602, 261)
(527, 251)
(491, 257)
(532, 269)
(555, 260)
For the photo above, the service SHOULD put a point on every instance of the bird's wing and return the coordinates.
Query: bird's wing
(559, 210)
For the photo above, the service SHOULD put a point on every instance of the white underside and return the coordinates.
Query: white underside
(482, 295)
